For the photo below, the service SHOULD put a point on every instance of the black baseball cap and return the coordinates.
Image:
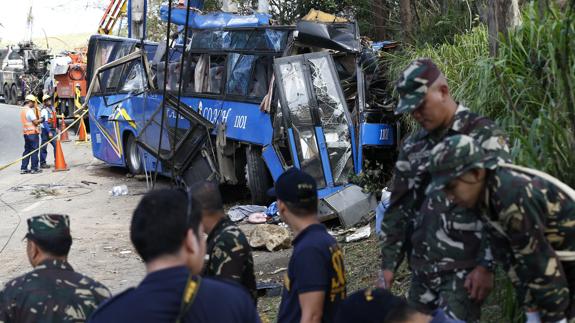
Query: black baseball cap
(294, 186)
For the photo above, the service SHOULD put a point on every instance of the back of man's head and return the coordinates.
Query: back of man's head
(209, 197)
(403, 313)
(161, 221)
(51, 233)
(298, 191)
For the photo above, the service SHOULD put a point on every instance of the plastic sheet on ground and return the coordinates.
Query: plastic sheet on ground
(272, 237)
(239, 212)
(360, 234)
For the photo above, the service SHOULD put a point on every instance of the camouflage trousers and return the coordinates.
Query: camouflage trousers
(446, 291)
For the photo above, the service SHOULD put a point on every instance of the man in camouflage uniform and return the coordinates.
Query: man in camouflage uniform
(451, 266)
(229, 253)
(53, 291)
(530, 218)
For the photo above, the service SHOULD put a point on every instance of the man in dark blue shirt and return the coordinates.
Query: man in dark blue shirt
(378, 305)
(165, 232)
(315, 282)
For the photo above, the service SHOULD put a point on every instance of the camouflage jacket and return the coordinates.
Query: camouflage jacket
(230, 256)
(443, 236)
(528, 219)
(52, 292)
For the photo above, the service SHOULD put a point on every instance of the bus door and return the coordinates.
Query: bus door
(320, 134)
(316, 117)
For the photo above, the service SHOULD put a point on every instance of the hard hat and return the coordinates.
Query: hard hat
(45, 97)
(30, 97)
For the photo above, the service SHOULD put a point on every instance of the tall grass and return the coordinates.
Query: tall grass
(527, 90)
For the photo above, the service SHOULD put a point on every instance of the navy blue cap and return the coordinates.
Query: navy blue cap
(294, 186)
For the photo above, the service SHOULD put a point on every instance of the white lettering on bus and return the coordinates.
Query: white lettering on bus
(384, 134)
(240, 122)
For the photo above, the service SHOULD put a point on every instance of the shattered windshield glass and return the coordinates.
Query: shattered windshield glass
(333, 119)
(298, 101)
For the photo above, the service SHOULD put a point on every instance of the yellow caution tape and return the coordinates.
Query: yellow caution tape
(44, 144)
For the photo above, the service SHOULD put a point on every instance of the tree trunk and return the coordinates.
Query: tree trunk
(444, 5)
(379, 19)
(501, 15)
(492, 27)
(406, 20)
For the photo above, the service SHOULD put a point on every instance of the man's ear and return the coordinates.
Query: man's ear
(478, 174)
(444, 89)
(191, 243)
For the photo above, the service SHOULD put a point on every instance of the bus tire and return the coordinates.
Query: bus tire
(133, 156)
(6, 93)
(257, 176)
(13, 95)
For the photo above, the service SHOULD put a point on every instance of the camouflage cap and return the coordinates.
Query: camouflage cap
(413, 84)
(48, 226)
(455, 156)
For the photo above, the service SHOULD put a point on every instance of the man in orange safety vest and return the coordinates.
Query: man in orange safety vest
(30, 122)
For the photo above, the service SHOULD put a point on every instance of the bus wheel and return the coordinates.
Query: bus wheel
(257, 176)
(132, 155)
(6, 92)
(13, 95)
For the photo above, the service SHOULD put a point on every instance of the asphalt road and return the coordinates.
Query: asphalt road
(11, 139)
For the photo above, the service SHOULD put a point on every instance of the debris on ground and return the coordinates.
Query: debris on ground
(257, 218)
(44, 191)
(360, 234)
(119, 190)
(272, 237)
(239, 212)
(88, 183)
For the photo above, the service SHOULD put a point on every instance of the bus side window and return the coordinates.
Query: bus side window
(261, 77)
(216, 74)
(209, 74)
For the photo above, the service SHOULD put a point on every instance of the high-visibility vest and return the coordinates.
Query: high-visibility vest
(51, 117)
(28, 127)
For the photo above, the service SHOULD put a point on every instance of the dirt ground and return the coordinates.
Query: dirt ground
(100, 228)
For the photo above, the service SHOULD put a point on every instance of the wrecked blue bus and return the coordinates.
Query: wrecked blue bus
(254, 101)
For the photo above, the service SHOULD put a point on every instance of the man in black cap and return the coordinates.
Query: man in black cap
(315, 281)
(378, 305)
(450, 261)
(53, 291)
(165, 231)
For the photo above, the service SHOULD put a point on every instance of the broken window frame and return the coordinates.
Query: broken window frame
(130, 60)
(314, 112)
(197, 134)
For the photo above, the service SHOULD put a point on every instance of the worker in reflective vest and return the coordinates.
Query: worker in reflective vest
(30, 123)
(48, 129)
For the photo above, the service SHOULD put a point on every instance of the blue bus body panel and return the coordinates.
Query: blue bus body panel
(377, 134)
(244, 121)
(272, 161)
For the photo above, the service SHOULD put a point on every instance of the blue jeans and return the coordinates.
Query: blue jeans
(44, 150)
(31, 143)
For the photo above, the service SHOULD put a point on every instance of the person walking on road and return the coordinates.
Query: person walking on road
(30, 122)
(48, 128)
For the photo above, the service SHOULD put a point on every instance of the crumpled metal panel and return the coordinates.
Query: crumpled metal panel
(340, 37)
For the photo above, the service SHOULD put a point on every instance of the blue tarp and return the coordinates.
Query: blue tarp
(214, 20)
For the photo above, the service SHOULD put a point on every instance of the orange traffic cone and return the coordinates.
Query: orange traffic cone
(60, 163)
(82, 134)
(63, 131)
